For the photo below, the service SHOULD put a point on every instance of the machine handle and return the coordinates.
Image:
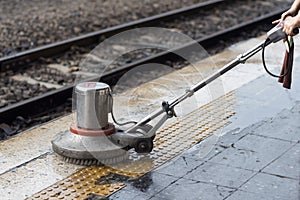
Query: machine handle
(276, 34)
(296, 31)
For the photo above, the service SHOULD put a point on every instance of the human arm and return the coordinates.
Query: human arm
(293, 11)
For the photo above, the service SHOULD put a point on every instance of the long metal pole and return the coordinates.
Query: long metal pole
(242, 58)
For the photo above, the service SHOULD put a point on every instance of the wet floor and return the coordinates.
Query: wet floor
(257, 156)
(254, 156)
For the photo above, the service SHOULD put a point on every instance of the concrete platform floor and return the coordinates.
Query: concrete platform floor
(257, 156)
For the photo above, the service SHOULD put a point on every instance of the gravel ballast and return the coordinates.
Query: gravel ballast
(26, 24)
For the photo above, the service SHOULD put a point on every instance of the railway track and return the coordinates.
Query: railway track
(39, 106)
(14, 61)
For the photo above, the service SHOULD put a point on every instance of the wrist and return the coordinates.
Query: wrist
(294, 10)
(297, 17)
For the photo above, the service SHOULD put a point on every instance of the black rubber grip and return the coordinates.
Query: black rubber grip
(296, 31)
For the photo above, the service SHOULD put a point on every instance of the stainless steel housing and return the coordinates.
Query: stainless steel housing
(92, 105)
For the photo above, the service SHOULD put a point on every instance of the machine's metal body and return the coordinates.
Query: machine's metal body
(93, 105)
(94, 138)
(91, 131)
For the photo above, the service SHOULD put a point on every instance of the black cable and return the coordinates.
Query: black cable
(113, 117)
(289, 66)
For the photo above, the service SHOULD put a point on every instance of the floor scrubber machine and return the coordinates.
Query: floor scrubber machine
(93, 140)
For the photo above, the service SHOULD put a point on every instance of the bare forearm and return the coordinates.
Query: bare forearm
(296, 6)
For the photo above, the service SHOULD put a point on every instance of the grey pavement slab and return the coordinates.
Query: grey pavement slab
(288, 165)
(273, 186)
(285, 126)
(252, 152)
(185, 189)
(220, 174)
(214, 145)
(196, 152)
(126, 194)
(146, 186)
(180, 166)
(242, 195)
(260, 99)
(231, 137)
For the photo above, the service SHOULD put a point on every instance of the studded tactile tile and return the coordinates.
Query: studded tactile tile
(173, 139)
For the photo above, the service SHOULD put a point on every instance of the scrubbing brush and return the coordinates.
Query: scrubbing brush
(88, 150)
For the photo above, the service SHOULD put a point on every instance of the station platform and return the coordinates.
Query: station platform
(237, 139)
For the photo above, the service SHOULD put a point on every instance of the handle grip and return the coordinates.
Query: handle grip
(276, 34)
(296, 31)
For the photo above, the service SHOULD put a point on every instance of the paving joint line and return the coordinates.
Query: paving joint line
(26, 162)
(274, 138)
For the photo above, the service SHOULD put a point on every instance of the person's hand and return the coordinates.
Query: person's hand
(291, 12)
(291, 23)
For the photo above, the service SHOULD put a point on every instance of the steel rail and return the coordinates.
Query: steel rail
(36, 105)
